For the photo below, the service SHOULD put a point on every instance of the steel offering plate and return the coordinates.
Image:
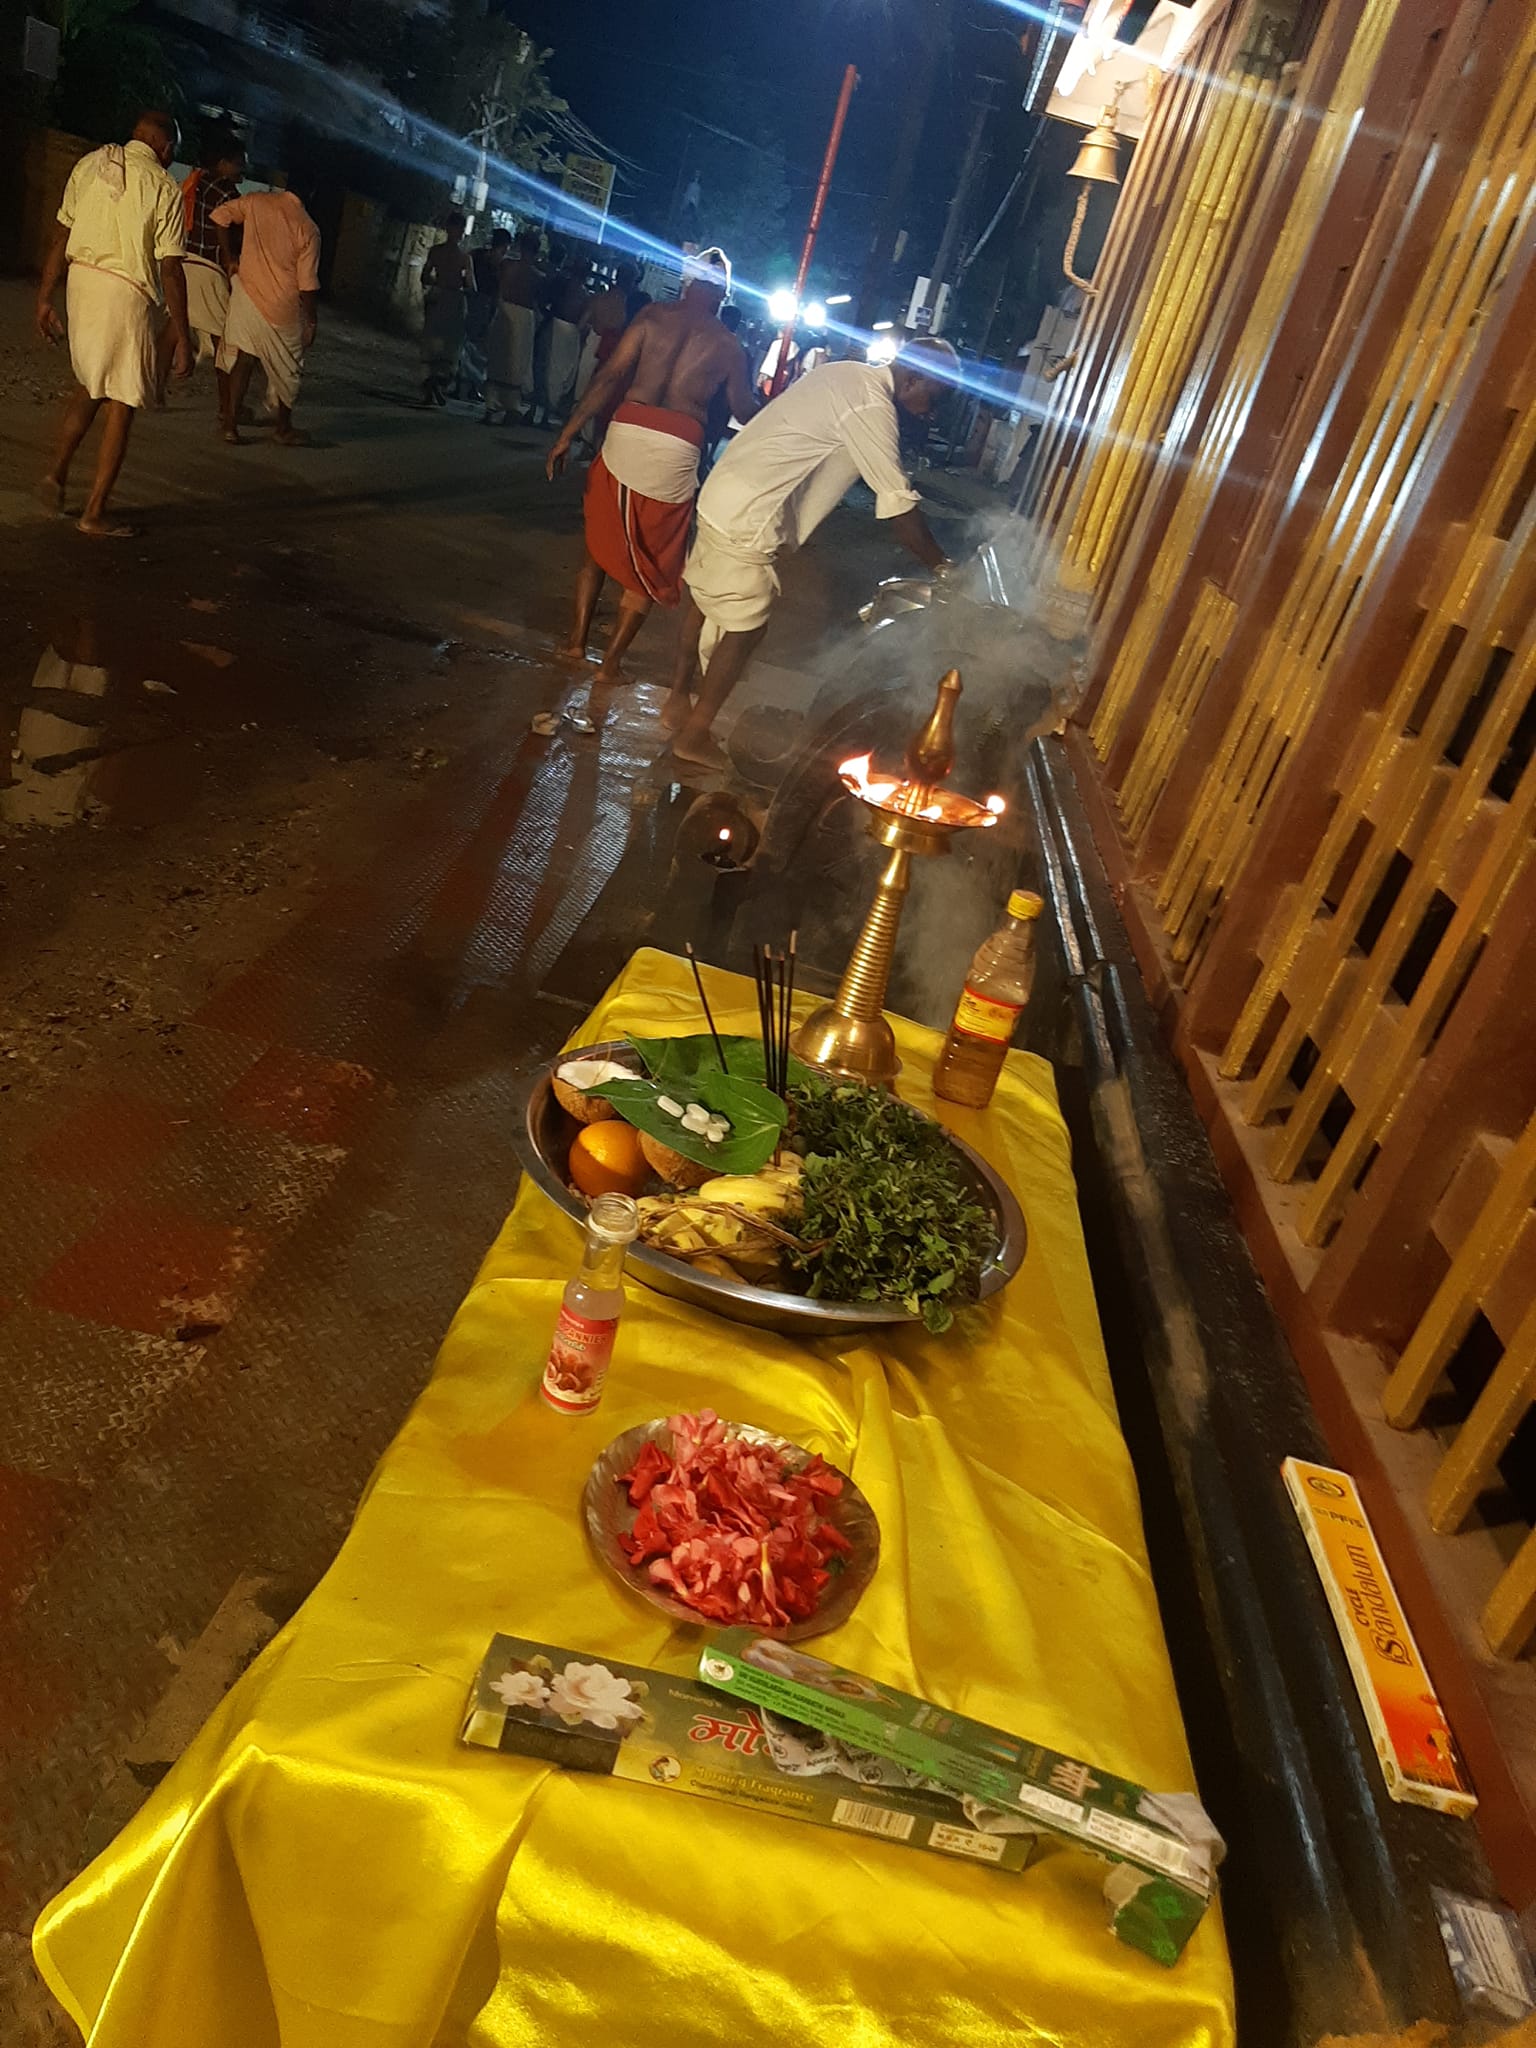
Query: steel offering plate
(608, 1513)
(545, 1145)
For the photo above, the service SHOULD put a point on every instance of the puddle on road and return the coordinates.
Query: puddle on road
(106, 724)
(79, 751)
(107, 717)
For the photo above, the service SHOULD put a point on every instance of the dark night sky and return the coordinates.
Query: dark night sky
(630, 68)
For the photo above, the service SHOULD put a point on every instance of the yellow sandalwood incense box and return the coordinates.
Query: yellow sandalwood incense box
(1413, 1740)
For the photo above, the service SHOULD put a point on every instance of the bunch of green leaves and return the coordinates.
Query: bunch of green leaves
(883, 1187)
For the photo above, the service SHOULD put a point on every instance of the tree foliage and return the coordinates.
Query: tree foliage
(744, 203)
(448, 66)
(112, 65)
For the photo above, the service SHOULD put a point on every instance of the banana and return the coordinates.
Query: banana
(700, 1224)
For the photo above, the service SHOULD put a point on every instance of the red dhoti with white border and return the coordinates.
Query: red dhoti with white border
(639, 501)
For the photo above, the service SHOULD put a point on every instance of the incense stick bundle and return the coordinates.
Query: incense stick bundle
(764, 1013)
(775, 979)
(789, 1011)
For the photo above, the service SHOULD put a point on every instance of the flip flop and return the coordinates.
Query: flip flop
(106, 532)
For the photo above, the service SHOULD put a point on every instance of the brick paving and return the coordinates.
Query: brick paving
(226, 1265)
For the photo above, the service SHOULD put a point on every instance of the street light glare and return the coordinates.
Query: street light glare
(815, 314)
(783, 306)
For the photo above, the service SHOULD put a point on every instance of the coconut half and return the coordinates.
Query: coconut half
(671, 1166)
(572, 1080)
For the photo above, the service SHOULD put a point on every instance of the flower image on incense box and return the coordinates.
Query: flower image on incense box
(590, 1713)
(1165, 1843)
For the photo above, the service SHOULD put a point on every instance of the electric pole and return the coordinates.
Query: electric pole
(928, 36)
(960, 204)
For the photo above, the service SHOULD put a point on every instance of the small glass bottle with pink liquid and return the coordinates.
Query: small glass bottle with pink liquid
(577, 1368)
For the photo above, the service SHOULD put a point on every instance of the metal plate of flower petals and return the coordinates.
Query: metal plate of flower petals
(609, 1514)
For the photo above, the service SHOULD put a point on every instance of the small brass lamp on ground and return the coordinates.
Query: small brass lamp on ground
(849, 1037)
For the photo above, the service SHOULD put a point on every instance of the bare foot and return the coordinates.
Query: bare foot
(605, 674)
(293, 437)
(233, 438)
(570, 650)
(701, 750)
(105, 529)
(50, 495)
(676, 712)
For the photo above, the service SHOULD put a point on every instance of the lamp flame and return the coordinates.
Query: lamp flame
(920, 800)
(856, 774)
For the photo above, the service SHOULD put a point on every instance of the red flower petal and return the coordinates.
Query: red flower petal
(728, 1529)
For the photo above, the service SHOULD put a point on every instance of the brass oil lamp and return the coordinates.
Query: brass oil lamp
(849, 1037)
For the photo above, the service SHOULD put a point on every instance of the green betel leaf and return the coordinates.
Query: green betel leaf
(756, 1116)
(745, 1057)
(683, 1059)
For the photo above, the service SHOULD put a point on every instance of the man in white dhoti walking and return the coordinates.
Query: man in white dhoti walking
(120, 231)
(779, 479)
(273, 305)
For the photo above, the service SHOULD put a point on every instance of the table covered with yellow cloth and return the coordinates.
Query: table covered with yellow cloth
(327, 1866)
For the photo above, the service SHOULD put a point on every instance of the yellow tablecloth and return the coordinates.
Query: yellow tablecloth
(327, 1868)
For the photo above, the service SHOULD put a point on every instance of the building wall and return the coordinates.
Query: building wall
(1292, 478)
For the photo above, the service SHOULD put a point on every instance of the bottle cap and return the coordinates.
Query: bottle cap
(1025, 903)
(614, 1218)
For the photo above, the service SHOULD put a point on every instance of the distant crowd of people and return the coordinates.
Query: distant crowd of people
(520, 332)
(652, 391)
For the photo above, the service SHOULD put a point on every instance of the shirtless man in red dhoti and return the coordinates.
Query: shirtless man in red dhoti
(669, 365)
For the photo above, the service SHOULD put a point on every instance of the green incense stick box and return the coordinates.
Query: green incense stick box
(590, 1713)
(1166, 1843)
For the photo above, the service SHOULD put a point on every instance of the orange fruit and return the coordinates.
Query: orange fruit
(606, 1160)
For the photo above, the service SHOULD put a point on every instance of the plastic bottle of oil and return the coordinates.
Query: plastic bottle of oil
(577, 1368)
(997, 987)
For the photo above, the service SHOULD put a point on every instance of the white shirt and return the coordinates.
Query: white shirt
(792, 465)
(130, 232)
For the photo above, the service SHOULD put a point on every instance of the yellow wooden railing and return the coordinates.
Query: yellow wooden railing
(1314, 686)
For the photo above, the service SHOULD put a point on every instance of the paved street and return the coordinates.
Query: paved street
(292, 894)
